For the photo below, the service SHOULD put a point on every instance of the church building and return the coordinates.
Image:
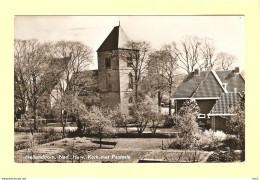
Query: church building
(115, 72)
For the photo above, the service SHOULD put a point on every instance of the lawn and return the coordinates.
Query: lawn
(126, 150)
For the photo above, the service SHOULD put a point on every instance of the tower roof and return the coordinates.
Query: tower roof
(115, 40)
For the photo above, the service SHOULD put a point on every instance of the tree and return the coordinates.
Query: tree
(154, 82)
(139, 54)
(120, 118)
(236, 123)
(30, 65)
(208, 55)
(187, 123)
(69, 59)
(155, 120)
(188, 53)
(225, 61)
(100, 123)
(169, 70)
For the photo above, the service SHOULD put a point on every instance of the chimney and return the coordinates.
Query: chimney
(235, 90)
(236, 70)
(196, 72)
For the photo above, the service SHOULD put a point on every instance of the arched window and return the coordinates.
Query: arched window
(130, 83)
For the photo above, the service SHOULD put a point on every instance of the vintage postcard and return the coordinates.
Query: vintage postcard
(129, 89)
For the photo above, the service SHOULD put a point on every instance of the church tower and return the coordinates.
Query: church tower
(116, 75)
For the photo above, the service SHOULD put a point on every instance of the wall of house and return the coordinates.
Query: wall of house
(220, 123)
(206, 105)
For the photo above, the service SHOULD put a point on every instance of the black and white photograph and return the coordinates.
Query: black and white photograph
(129, 89)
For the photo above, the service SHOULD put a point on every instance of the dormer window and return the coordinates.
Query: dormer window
(129, 62)
(108, 63)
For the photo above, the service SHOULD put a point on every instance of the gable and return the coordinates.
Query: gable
(189, 85)
(209, 87)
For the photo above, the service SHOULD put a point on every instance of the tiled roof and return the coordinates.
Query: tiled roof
(189, 85)
(116, 39)
(232, 80)
(207, 85)
(226, 101)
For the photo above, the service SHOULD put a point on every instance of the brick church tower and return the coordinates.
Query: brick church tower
(115, 72)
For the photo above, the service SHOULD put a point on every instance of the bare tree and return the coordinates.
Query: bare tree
(208, 56)
(139, 54)
(188, 53)
(70, 58)
(169, 70)
(30, 65)
(225, 61)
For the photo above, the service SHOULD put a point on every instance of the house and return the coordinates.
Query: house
(215, 92)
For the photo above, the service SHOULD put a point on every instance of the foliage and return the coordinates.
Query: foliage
(187, 124)
(120, 118)
(99, 122)
(219, 156)
(209, 139)
(176, 143)
(236, 123)
(232, 142)
(156, 119)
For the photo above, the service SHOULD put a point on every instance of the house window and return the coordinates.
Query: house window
(129, 62)
(201, 116)
(108, 63)
(130, 83)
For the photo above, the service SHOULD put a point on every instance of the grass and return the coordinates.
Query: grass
(128, 149)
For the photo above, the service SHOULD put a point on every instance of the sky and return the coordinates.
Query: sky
(227, 31)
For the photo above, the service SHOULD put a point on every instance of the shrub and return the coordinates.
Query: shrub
(219, 156)
(232, 142)
(209, 139)
(176, 143)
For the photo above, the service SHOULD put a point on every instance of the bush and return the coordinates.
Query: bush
(219, 156)
(209, 140)
(232, 142)
(176, 143)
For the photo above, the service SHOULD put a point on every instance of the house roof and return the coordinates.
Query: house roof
(189, 85)
(226, 101)
(232, 80)
(209, 84)
(115, 40)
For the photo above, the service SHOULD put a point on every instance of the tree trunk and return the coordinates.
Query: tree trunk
(170, 107)
(159, 101)
(35, 117)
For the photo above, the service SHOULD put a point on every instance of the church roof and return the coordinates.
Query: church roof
(115, 40)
